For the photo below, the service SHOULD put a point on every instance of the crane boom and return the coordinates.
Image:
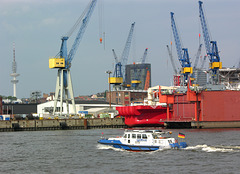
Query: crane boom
(144, 56)
(172, 61)
(142, 63)
(115, 56)
(204, 28)
(125, 53)
(63, 51)
(203, 62)
(80, 33)
(176, 38)
(197, 56)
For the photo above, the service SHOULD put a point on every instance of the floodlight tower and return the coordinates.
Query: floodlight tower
(14, 73)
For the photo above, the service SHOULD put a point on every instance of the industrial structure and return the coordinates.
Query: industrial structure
(14, 73)
(202, 104)
(126, 97)
(230, 77)
(64, 59)
(143, 71)
(139, 74)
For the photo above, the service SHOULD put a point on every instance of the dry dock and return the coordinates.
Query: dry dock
(60, 124)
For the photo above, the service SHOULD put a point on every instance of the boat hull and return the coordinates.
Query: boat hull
(138, 148)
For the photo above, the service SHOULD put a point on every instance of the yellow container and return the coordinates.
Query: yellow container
(187, 70)
(216, 65)
(56, 63)
(115, 80)
(136, 81)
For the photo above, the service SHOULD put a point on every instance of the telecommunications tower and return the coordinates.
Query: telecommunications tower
(14, 73)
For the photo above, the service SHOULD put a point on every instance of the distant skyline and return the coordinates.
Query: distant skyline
(36, 28)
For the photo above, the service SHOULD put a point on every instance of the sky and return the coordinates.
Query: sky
(36, 27)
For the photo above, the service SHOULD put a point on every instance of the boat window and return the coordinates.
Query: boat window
(144, 136)
(125, 136)
(138, 136)
(128, 135)
(133, 135)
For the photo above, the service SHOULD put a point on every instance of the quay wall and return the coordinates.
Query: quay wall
(201, 124)
(59, 124)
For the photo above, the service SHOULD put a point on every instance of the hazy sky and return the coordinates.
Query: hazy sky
(36, 27)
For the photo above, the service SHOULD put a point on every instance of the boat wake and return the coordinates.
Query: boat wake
(105, 147)
(217, 148)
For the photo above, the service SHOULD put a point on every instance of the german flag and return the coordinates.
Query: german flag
(181, 135)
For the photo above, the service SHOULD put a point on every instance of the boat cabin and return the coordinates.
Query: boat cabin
(146, 137)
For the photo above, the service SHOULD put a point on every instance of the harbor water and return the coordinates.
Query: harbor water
(77, 151)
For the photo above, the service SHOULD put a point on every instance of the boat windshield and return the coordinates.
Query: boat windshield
(155, 136)
(144, 136)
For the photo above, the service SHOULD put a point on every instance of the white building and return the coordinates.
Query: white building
(82, 109)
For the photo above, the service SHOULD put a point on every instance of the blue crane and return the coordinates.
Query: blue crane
(118, 66)
(119, 72)
(211, 47)
(63, 60)
(136, 81)
(183, 55)
(125, 53)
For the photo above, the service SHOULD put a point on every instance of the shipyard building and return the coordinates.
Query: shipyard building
(140, 72)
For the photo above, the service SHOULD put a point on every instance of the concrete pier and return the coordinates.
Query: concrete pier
(61, 124)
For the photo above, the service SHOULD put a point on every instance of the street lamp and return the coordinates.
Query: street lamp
(110, 96)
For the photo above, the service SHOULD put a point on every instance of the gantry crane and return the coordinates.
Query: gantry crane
(63, 62)
(136, 81)
(183, 55)
(211, 49)
(119, 72)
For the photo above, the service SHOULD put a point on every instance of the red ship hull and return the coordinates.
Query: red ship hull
(143, 115)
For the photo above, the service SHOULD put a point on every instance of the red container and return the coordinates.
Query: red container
(220, 106)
